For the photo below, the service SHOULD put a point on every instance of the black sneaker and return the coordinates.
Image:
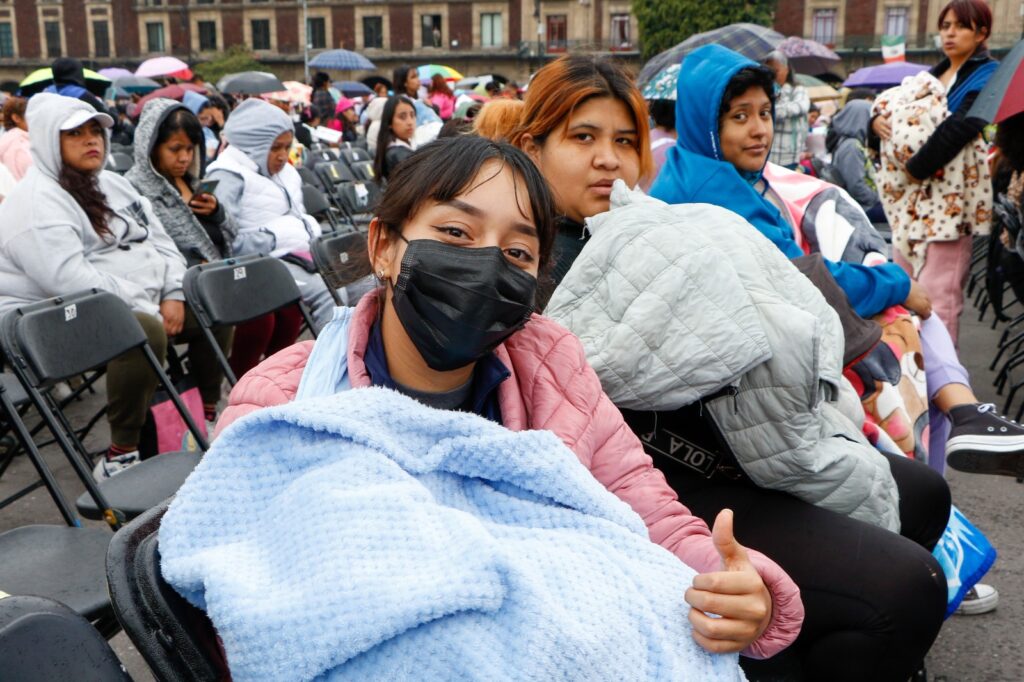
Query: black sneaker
(984, 442)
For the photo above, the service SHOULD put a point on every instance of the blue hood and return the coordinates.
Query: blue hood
(695, 172)
(699, 90)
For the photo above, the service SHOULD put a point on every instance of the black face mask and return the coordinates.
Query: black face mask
(457, 304)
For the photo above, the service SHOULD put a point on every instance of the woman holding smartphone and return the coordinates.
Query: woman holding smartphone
(168, 155)
(168, 158)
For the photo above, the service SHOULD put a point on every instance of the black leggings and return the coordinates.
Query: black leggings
(874, 600)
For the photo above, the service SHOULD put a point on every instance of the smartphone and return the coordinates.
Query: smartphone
(207, 186)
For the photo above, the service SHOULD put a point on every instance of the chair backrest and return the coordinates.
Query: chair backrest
(237, 290)
(41, 639)
(358, 197)
(363, 170)
(334, 172)
(314, 201)
(354, 154)
(341, 259)
(176, 639)
(63, 337)
(309, 177)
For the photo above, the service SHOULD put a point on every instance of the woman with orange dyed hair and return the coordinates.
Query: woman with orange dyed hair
(584, 123)
(498, 119)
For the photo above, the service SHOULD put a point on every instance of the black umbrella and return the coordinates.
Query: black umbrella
(372, 81)
(250, 83)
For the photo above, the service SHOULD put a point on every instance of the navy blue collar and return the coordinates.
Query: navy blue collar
(487, 376)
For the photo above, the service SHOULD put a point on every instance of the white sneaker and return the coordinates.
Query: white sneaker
(979, 599)
(107, 467)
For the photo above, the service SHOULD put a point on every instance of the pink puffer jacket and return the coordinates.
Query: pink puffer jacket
(552, 387)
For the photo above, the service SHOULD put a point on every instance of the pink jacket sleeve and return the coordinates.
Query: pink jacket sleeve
(273, 382)
(616, 458)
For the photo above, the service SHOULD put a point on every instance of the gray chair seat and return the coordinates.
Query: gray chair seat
(62, 563)
(143, 486)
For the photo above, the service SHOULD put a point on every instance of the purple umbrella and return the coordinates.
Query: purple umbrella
(883, 75)
(808, 56)
(115, 72)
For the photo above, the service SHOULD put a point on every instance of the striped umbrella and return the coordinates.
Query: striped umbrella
(428, 71)
(750, 40)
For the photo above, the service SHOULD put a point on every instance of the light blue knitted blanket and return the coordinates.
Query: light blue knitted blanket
(366, 536)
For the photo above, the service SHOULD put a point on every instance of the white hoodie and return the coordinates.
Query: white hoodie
(49, 248)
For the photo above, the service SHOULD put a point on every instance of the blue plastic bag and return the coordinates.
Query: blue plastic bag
(965, 555)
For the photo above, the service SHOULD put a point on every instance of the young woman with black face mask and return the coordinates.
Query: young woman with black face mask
(462, 234)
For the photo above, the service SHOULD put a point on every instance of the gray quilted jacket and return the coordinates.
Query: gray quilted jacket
(673, 303)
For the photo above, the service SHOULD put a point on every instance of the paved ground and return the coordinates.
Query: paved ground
(987, 648)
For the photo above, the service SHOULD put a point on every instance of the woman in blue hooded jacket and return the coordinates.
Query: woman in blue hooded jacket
(697, 170)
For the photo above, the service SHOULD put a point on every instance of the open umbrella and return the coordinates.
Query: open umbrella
(663, 85)
(250, 83)
(294, 91)
(372, 81)
(817, 89)
(808, 56)
(159, 67)
(473, 82)
(114, 72)
(40, 79)
(136, 84)
(353, 88)
(883, 75)
(750, 40)
(1003, 95)
(428, 71)
(169, 92)
(341, 60)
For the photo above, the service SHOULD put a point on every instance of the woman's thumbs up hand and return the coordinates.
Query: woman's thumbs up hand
(736, 595)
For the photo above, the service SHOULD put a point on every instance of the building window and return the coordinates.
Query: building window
(491, 33)
(153, 3)
(155, 36)
(207, 35)
(373, 31)
(896, 21)
(316, 33)
(101, 38)
(823, 26)
(6, 40)
(204, 2)
(556, 32)
(53, 42)
(260, 34)
(620, 32)
(431, 35)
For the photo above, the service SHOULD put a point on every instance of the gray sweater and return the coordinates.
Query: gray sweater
(49, 248)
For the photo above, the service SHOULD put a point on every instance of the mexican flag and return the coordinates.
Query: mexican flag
(894, 49)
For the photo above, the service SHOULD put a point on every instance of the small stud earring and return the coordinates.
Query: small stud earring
(380, 274)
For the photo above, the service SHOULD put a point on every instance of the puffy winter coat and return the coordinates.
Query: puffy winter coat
(673, 303)
(552, 387)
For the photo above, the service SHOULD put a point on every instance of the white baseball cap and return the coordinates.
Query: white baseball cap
(81, 116)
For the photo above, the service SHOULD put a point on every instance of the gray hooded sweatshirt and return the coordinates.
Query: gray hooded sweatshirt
(177, 218)
(850, 130)
(49, 248)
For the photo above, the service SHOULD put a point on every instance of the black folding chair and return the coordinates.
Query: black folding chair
(42, 640)
(319, 206)
(177, 640)
(340, 259)
(236, 290)
(352, 155)
(64, 563)
(309, 177)
(53, 340)
(120, 162)
(363, 170)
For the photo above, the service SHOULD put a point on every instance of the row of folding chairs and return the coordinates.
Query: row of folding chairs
(51, 341)
(1008, 361)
